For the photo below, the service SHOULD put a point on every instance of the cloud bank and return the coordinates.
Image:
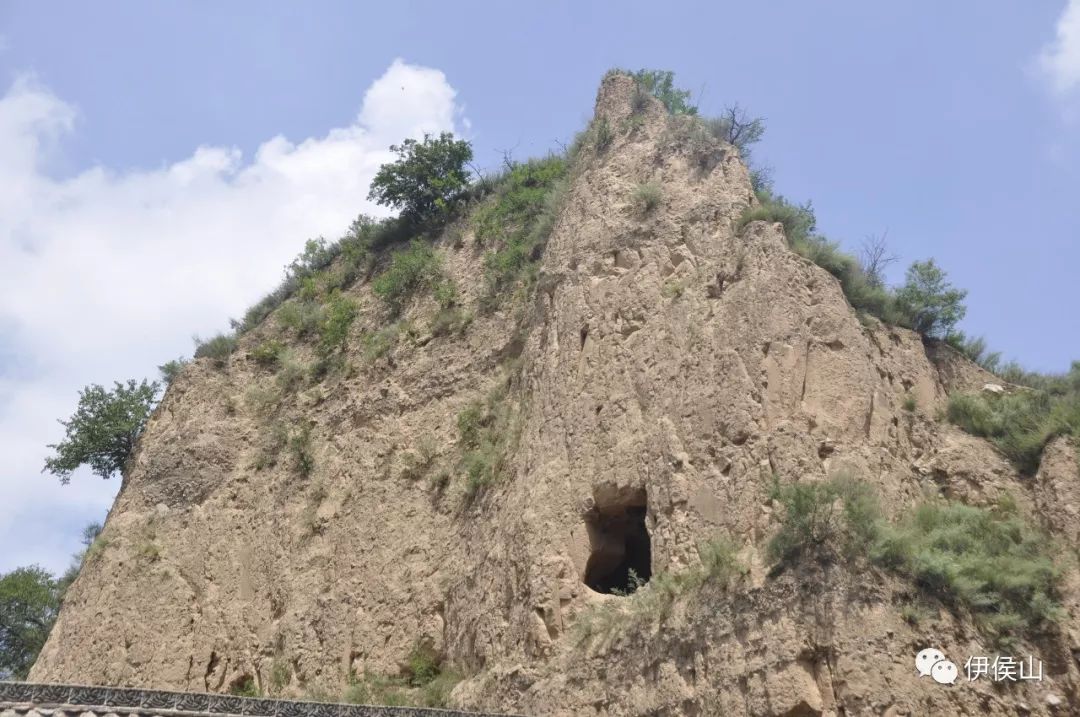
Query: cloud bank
(105, 275)
(1059, 61)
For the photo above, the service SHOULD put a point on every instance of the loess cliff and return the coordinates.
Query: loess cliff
(640, 400)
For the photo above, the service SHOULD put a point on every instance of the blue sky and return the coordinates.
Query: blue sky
(197, 145)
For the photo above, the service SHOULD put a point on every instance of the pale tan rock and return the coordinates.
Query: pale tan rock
(664, 356)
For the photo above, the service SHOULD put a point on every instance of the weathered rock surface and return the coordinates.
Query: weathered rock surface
(666, 359)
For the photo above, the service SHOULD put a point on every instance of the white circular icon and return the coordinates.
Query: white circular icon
(925, 660)
(943, 672)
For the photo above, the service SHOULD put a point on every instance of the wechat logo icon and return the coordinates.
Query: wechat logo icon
(932, 662)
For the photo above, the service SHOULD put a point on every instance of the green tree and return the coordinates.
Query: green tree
(29, 601)
(661, 85)
(426, 178)
(103, 430)
(931, 305)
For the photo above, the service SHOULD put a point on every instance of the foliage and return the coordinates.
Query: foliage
(985, 560)
(798, 219)
(823, 519)
(423, 664)
(976, 349)
(931, 305)
(737, 128)
(487, 430)
(171, 369)
(268, 353)
(647, 197)
(410, 270)
(518, 218)
(29, 602)
(353, 251)
(926, 302)
(988, 561)
(602, 134)
(302, 316)
(245, 687)
(1020, 424)
(218, 348)
(103, 430)
(647, 601)
(425, 179)
(910, 404)
(300, 448)
(334, 329)
(661, 85)
(379, 343)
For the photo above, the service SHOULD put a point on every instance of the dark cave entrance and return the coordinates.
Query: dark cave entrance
(621, 552)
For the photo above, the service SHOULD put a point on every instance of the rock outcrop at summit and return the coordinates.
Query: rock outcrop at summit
(664, 370)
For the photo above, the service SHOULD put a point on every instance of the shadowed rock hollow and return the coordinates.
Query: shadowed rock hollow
(663, 370)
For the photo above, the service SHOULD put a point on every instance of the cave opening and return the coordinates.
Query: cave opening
(620, 559)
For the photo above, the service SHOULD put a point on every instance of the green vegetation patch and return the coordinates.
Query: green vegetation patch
(516, 221)
(653, 600)
(985, 561)
(340, 313)
(412, 269)
(488, 431)
(1020, 424)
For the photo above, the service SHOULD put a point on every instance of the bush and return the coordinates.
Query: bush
(603, 135)
(647, 197)
(410, 270)
(268, 353)
(864, 291)
(987, 561)
(975, 349)
(171, 369)
(930, 304)
(423, 665)
(661, 85)
(825, 519)
(487, 431)
(218, 349)
(425, 179)
(303, 316)
(104, 429)
(737, 128)
(301, 450)
(798, 220)
(1019, 424)
(337, 319)
(518, 218)
(379, 343)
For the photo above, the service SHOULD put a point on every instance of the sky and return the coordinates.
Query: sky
(161, 162)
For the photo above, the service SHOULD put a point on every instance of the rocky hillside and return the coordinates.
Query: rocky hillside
(568, 497)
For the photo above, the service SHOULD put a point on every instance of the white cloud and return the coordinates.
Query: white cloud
(107, 274)
(1059, 60)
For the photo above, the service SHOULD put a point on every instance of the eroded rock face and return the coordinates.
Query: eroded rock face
(666, 369)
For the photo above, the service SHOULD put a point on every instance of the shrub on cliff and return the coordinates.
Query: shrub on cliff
(410, 270)
(1020, 424)
(825, 519)
(661, 85)
(929, 303)
(425, 179)
(103, 430)
(988, 561)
